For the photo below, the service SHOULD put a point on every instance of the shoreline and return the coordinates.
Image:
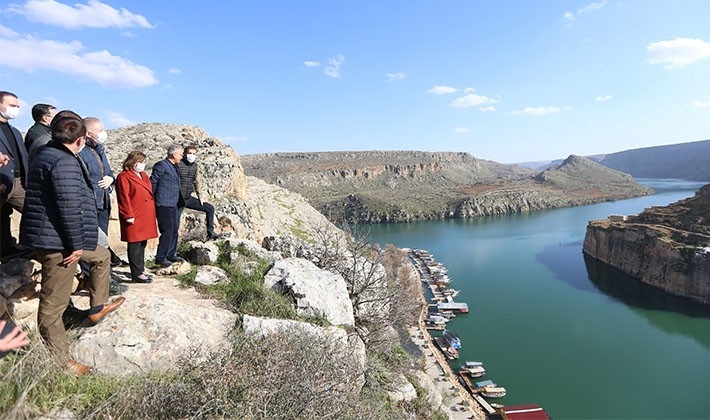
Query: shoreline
(455, 398)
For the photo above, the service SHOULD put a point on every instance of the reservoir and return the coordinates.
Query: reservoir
(576, 337)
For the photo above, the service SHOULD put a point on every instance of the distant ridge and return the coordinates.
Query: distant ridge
(683, 161)
(403, 186)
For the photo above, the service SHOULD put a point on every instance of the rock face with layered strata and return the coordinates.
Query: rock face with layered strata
(666, 247)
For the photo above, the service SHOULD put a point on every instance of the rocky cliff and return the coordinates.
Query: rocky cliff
(666, 247)
(401, 186)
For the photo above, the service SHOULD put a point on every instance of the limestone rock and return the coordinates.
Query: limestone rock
(157, 325)
(315, 292)
(252, 247)
(432, 395)
(400, 390)
(208, 275)
(175, 269)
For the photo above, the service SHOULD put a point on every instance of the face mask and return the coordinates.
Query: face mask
(191, 157)
(102, 136)
(140, 166)
(10, 112)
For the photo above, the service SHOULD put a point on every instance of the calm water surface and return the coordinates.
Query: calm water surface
(578, 338)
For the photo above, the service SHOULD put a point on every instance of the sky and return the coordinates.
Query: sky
(505, 80)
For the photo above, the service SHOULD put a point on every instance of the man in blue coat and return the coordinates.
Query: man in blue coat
(13, 174)
(59, 223)
(165, 179)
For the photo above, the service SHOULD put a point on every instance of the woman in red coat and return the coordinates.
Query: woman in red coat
(136, 212)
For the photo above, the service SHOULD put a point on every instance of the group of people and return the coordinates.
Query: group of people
(60, 179)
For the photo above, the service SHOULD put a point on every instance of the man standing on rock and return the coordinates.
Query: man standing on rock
(189, 182)
(59, 223)
(165, 179)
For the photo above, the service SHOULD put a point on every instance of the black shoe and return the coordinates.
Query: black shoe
(164, 264)
(211, 236)
(142, 279)
(176, 259)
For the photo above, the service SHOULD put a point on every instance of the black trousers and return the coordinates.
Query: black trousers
(136, 257)
(168, 225)
(194, 204)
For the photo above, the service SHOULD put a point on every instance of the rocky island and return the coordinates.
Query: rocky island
(666, 247)
(404, 186)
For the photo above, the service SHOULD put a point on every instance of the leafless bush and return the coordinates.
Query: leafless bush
(282, 376)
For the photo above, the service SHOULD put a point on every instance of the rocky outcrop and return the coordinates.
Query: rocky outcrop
(665, 247)
(399, 186)
(313, 291)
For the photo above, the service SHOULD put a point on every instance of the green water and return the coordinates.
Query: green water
(579, 339)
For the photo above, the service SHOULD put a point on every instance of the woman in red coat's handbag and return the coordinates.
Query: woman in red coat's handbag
(136, 212)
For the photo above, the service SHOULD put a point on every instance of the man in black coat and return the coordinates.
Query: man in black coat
(42, 114)
(13, 174)
(59, 223)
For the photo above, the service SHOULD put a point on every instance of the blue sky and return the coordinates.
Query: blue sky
(509, 81)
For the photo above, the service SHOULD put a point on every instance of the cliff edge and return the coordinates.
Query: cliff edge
(666, 247)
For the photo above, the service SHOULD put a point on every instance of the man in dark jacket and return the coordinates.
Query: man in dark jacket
(42, 114)
(59, 223)
(189, 182)
(165, 180)
(13, 174)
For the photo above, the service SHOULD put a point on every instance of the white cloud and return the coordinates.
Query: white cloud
(116, 119)
(30, 54)
(588, 8)
(174, 71)
(539, 111)
(700, 104)
(333, 67)
(469, 90)
(602, 98)
(461, 130)
(393, 77)
(236, 139)
(677, 53)
(6, 32)
(489, 108)
(441, 90)
(309, 63)
(93, 14)
(470, 100)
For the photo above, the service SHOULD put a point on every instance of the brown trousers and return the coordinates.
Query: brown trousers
(57, 285)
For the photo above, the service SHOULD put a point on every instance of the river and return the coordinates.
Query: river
(581, 340)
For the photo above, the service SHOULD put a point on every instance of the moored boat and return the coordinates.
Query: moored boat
(493, 392)
(452, 338)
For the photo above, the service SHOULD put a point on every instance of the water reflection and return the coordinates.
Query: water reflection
(651, 302)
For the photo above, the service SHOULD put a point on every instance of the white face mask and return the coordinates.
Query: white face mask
(10, 112)
(102, 136)
(191, 157)
(140, 166)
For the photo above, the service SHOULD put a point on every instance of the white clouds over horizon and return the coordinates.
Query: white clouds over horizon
(93, 14)
(309, 63)
(471, 100)
(31, 54)
(333, 67)
(678, 53)
(603, 98)
(539, 110)
(442, 90)
(461, 130)
(700, 104)
(393, 77)
(116, 119)
(588, 8)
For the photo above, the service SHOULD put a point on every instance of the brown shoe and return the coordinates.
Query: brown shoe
(107, 309)
(79, 369)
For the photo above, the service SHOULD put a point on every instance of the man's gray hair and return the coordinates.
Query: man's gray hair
(173, 148)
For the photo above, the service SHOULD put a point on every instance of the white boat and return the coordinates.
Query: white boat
(493, 391)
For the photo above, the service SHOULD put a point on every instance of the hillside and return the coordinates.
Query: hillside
(401, 186)
(683, 161)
